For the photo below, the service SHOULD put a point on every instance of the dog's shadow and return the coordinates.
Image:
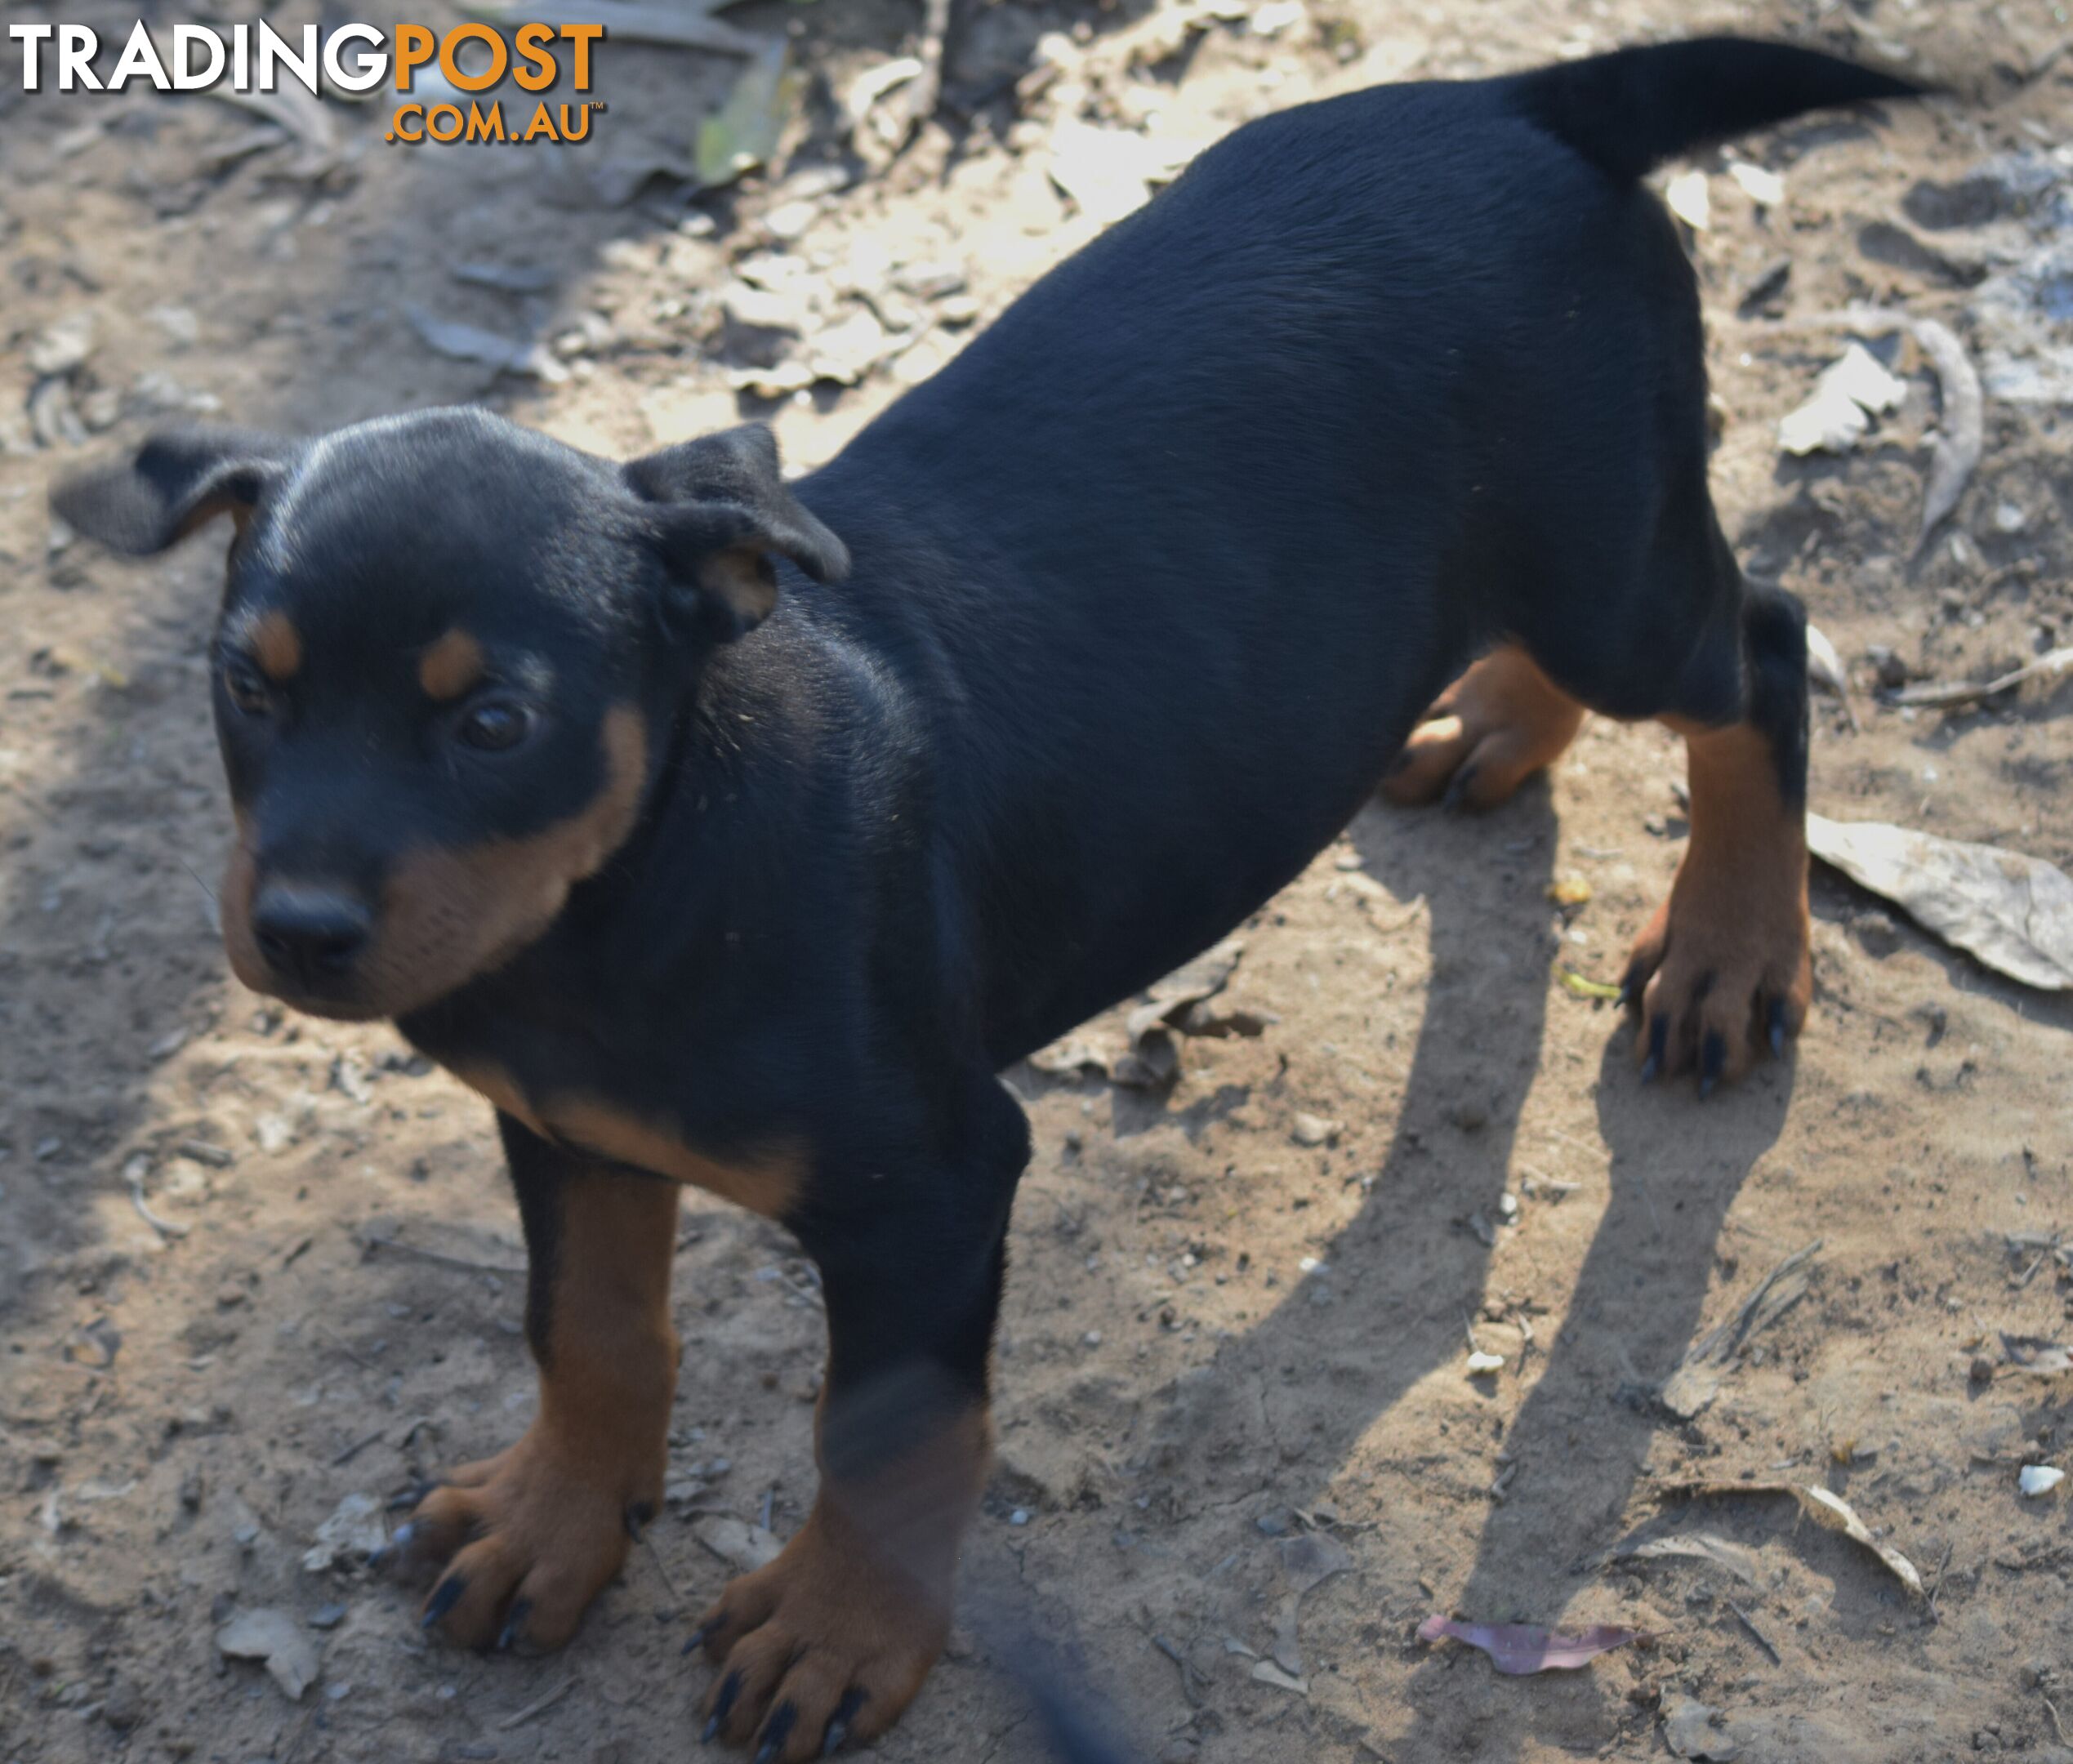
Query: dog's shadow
(1306, 1392)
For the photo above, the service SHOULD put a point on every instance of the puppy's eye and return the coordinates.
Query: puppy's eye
(494, 725)
(245, 689)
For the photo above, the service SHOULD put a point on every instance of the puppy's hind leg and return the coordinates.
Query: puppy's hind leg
(1723, 968)
(1489, 732)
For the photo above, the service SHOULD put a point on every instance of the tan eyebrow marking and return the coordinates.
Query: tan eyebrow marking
(277, 646)
(450, 666)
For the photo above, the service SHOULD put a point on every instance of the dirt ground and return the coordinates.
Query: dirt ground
(1235, 1347)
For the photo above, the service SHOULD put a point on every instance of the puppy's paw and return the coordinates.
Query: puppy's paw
(526, 1540)
(1723, 971)
(821, 1648)
(1483, 737)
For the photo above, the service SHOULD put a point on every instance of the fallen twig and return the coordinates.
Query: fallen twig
(1762, 1640)
(164, 1227)
(1939, 694)
(918, 102)
(463, 1264)
(648, 1538)
(542, 1706)
(356, 1448)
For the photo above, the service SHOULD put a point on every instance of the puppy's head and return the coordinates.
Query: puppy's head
(448, 649)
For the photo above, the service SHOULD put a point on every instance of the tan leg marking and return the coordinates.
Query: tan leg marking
(1487, 734)
(534, 1535)
(848, 1621)
(1723, 967)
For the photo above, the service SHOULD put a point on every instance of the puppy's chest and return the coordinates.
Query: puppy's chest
(620, 1104)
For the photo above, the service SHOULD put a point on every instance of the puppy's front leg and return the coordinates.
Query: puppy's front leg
(828, 1644)
(531, 1536)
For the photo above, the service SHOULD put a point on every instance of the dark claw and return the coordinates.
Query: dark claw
(399, 1542)
(404, 1499)
(699, 1634)
(514, 1623)
(730, 1687)
(636, 1517)
(776, 1731)
(445, 1596)
(838, 1727)
(1777, 1028)
(1713, 1062)
(1632, 983)
(1658, 1048)
(1457, 787)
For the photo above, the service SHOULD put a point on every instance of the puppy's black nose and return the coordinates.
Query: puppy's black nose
(308, 933)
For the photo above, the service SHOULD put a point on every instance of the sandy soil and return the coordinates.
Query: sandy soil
(1241, 1307)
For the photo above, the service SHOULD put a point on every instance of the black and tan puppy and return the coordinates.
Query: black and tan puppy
(725, 832)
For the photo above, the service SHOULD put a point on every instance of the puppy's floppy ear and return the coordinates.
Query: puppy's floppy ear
(720, 512)
(177, 481)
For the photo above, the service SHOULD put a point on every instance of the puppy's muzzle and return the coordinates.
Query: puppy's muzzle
(310, 934)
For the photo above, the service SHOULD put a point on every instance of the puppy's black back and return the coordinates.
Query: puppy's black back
(1169, 595)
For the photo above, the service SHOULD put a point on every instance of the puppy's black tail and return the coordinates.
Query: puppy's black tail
(1629, 111)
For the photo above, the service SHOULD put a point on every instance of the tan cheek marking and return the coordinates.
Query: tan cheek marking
(450, 915)
(233, 906)
(277, 646)
(450, 666)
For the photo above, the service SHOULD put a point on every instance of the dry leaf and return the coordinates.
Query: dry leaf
(2014, 913)
(1737, 1559)
(1696, 1382)
(301, 113)
(736, 1542)
(1307, 1562)
(353, 1533)
(745, 131)
(1824, 670)
(2033, 1353)
(1690, 1730)
(1826, 1509)
(1518, 1649)
(1767, 190)
(277, 1638)
(680, 25)
(1686, 197)
(467, 342)
(1267, 1672)
(1850, 391)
